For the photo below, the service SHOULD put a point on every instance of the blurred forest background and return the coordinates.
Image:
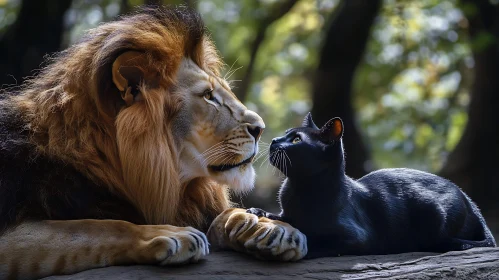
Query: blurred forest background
(416, 82)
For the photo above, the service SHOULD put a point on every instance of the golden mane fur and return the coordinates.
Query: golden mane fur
(76, 114)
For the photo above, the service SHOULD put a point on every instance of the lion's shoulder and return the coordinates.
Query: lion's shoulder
(33, 186)
(14, 144)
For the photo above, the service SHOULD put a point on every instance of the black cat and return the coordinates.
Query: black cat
(385, 212)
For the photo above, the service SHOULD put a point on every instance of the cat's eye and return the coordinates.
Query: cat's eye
(296, 140)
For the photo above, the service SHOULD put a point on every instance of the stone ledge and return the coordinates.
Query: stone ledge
(479, 263)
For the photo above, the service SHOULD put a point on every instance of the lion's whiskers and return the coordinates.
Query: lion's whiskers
(259, 156)
(262, 151)
(230, 73)
(212, 148)
(231, 83)
(216, 156)
(217, 153)
(225, 76)
(226, 159)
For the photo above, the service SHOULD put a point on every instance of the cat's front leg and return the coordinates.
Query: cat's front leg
(262, 213)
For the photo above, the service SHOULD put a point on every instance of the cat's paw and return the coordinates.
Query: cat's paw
(257, 211)
(261, 237)
(176, 245)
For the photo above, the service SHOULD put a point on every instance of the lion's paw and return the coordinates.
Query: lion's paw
(182, 245)
(265, 238)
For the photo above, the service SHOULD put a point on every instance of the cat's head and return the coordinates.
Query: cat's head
(308, 150)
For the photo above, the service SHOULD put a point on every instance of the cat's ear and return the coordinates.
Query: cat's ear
(332, 130)
(308, 122)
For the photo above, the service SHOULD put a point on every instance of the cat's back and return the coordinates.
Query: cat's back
(406, 180)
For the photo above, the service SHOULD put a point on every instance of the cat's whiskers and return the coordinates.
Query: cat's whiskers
(263, 143)
(272, 155)
(272, 158)
(288, 158)
(279, 161)
(267, 159)
(283, 163)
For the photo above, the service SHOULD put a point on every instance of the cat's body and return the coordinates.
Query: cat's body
(387, 211)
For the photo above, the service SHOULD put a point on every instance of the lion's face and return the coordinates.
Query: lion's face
(217, 134)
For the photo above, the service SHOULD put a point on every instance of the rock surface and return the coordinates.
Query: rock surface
(480, 263)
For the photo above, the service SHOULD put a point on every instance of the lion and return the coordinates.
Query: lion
(122, 150)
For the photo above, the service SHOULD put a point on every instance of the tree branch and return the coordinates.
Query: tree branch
(242, 91)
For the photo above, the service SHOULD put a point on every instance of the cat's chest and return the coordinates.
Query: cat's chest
(302, 198)
(306, 209)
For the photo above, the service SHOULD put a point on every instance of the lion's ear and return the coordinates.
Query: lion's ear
(129, 70)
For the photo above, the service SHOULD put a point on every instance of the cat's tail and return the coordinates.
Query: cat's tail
(457, 244)
(488, 237)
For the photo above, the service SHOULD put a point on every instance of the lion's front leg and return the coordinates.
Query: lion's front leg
(37, 249)
(259, 236)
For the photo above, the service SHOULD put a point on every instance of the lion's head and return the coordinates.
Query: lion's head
(215, 129)
(139, 106)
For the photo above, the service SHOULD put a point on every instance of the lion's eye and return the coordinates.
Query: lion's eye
(208, 95)
(297, 139)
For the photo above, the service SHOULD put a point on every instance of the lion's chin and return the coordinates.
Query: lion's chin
(240, 180)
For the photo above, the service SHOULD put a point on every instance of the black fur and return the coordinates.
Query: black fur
(387, 211)
(34, 187)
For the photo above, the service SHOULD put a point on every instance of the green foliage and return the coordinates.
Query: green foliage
(8, 13)
(417, 73)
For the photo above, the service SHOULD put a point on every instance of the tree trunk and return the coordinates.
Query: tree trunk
(474, 163)
(37, 31)
(478, 263)
(341, 53)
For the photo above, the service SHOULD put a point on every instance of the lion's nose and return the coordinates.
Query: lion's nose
(255, 131)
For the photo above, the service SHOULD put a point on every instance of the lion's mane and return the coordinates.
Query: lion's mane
(74, 114)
